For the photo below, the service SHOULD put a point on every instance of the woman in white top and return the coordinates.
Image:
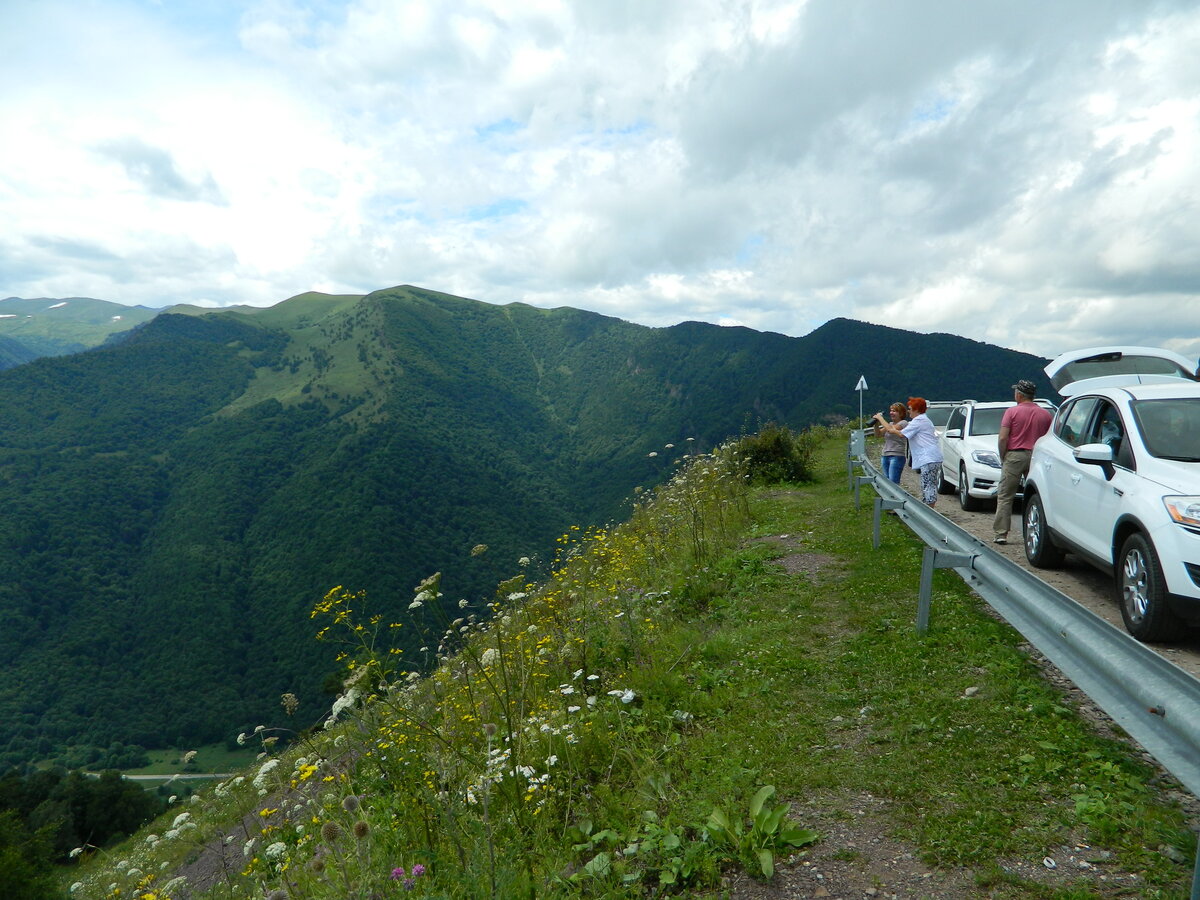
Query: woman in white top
(922, 447)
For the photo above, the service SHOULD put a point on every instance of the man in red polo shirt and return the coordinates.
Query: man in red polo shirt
(1021, 426)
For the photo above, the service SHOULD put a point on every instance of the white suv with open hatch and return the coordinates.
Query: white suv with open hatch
(1117, 482)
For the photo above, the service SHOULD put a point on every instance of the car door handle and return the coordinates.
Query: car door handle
(1118, 492)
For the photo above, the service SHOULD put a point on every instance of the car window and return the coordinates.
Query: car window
(1073, 420)
(1170, 429)
(938, 415)
(957, 419)
(1108, 428)
(986, 421)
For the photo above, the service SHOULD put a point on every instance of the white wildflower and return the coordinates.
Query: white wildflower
(566, 689)
(260, 780)
(573, 709)
(593, 678)
(248, 848)
(652, 453)
(551, 760)
(625, 696)
(489, 656)
(578, 672)
(76, 886)
(74, 853)
(591, 701)
(523, 561)
(275, 850)
(462, 604)
(516, 595)
(180, 819)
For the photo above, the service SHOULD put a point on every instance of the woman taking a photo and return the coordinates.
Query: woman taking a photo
(922, 446)
(895, 448)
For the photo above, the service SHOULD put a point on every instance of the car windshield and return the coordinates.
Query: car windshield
(1170, 428)
(939, 415)
(1116, 363)
(986, 421)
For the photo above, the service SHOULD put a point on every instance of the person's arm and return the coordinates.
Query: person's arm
(1002, 440)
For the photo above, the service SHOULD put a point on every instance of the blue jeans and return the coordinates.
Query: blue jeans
(892, 467)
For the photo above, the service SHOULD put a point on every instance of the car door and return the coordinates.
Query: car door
(1056, 467)
(1093, 500)
(952, 445)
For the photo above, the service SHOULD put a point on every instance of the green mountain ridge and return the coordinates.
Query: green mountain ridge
(180, 498)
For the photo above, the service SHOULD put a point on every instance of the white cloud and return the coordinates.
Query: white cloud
(1019, 173)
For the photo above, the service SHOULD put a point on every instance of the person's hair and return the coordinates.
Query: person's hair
(900, 406)
(917, 404)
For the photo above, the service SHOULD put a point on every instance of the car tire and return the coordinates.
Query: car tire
(1142, 593)
(965, 500)
(1040, 549)
(944, 486)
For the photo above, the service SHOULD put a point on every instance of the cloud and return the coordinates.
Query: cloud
(155, 170)
(1021, 173)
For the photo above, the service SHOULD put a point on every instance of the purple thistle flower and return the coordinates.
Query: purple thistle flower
(418, 870)
(397, 873)
(409, 884)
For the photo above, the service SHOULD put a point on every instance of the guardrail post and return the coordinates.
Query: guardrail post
(880, 505)
(860, 480)
(1196, 874)
(932, 558)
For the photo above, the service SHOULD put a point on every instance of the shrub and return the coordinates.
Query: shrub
(775, 454)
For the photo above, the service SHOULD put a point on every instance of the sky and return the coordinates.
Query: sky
(1021, 173)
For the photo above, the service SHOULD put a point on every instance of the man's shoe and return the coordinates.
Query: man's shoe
(1000, 539)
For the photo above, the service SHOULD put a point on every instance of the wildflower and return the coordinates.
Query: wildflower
(331, 831)
(551, 760)
(361, 829)
(260, 780)
(479, 550)
(351, 804)
(397, 873)
(241, 739)
(275, 850)
(74, 853)
(652, 453)
(462, 604)
(573, 709)
(290, 703)
(489, 656)
(566, 689)
(277, 894)
(180, 819)
(189, 756)
(418, 602)
(76, 886)
(625, 696)
(418, 870)
(489, 729)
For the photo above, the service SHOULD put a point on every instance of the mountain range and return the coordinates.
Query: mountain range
(179, 495)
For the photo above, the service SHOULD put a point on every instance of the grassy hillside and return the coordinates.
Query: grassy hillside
(53, 327)
(721, 691)
(185, 494)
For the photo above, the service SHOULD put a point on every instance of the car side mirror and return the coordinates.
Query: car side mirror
(952, 433)
(1096, 455)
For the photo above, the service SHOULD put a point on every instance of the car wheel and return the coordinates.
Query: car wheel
(965, 500)
(1040, 548)
(944, 486)
(1142, 593)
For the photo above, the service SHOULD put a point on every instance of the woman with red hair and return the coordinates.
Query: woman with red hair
(922, 446)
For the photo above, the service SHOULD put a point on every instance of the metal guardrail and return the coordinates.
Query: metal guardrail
(1153, 700)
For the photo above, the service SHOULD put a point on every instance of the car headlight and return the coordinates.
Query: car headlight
(1184, 511)
(986, 458)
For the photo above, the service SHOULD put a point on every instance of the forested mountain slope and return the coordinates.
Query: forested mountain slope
(177, 502)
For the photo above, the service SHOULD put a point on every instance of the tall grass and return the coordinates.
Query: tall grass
(501, 763)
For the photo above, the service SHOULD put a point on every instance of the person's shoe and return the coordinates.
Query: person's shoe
(1000, 539)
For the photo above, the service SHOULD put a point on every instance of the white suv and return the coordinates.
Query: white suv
(970, 456)
(1117, 481)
